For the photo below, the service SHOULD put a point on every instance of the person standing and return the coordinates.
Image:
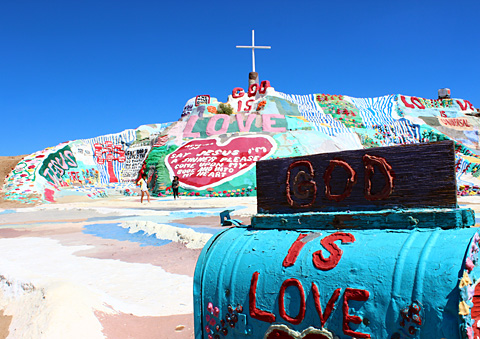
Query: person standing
(143, 187)
(175, 186)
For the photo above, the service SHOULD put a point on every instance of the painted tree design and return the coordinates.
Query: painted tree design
(112, 153)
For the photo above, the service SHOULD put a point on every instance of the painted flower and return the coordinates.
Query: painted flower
(212, 109)
(261, 105)
(210, 307)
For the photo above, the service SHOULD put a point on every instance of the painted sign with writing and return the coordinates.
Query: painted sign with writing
(201, 127)
(367, 273)
(57, 164)
(209, 162)
(448, 107)
(202, 99)
(456, 123)
(373, 178)
(134, 158)
(330, 283)
(295, 311)
(243, 101)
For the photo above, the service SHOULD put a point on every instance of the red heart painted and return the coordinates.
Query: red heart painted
(200, 164)
(283, 332)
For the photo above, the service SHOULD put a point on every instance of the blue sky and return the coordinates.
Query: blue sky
(79, 69)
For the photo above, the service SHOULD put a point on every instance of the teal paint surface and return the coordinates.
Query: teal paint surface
(294, 123)
(383, 219)
(396, 266)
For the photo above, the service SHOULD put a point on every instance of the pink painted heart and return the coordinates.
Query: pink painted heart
(207, 163)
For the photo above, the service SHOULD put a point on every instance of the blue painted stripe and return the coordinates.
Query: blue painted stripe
(313, 113)
(116, 232)
(375, 111)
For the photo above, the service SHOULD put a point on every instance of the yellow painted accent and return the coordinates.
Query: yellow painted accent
(463, 308)
(465, 281)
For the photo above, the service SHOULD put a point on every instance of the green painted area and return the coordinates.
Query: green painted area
(340, 110)
(156, 158)
(56, 164)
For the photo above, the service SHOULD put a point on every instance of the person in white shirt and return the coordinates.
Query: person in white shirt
(143, 187)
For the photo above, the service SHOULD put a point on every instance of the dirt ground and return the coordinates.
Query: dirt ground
(7, 163)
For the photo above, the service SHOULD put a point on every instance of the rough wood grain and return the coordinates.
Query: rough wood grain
(423, 176)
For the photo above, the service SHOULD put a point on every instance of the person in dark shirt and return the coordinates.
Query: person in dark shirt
(175, 185)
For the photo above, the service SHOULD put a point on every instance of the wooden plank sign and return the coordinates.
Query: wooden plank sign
(409, 176)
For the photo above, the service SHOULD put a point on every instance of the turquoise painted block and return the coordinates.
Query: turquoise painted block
(386, 274)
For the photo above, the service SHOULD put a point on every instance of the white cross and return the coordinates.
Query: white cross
(253, 49)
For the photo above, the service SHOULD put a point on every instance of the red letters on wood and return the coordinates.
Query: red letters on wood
(304, 188)
(327, 176)
(386, 169)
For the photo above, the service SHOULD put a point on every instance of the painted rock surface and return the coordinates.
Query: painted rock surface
(279, 124)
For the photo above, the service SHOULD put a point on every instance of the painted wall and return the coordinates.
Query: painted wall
(284, 124)
(93, 167)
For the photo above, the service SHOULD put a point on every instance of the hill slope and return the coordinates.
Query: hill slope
(213, 147)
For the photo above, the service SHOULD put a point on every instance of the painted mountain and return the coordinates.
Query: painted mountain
(214, 146)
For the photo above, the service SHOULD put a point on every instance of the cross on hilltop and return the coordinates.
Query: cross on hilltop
(253, 47)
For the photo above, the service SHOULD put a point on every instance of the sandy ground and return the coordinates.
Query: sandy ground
(70, 270)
